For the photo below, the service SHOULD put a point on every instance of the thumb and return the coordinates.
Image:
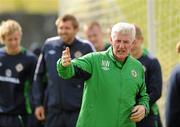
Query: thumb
(43, 115)
(68, 51)
(134, 109)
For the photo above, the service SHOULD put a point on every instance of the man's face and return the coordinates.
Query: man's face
(66, 31)
(121, 46)
(94, 35)
(12, 41)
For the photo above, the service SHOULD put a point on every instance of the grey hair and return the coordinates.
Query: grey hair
(125, 29)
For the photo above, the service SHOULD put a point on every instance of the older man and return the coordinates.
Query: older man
(114, 90)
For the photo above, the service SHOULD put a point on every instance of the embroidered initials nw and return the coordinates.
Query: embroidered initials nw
(105, 65)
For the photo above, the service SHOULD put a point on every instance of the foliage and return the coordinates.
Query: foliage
(29, 6)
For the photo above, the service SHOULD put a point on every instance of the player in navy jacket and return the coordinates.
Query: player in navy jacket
(173, 95)
(62, 97)
(153, 80)
(17, 66)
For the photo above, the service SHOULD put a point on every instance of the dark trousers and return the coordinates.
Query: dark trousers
(33, 122)
(63, 119)
(18, 121)
(150, 121)
(12, 120)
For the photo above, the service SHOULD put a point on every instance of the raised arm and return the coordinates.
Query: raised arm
(78, 68)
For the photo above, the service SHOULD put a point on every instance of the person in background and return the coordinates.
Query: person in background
(178, 47)
(153, 79)
(63, 97)
(17, 66)
(1, 45)
(35, 47)
(114, 89)
(172, 114)
(94, 34)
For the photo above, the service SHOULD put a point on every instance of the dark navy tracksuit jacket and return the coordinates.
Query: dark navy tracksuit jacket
(153, 80)
(61, 95)
(16, 76)
(173, 99)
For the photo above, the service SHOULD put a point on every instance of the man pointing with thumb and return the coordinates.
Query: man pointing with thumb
(114, 89)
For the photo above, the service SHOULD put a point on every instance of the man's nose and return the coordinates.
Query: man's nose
(121, 45)
(13, 41)
(62, 30)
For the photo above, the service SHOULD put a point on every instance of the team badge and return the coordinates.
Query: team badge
(8, 72)
(19, 67)
(77, 54)
(134, 73)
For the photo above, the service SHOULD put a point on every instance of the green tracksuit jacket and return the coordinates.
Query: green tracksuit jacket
(111, 89)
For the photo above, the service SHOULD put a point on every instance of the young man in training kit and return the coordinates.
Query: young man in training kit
(17, 66)
(63, 96)
(153, 80)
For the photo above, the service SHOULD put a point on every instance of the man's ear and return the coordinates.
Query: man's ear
(77, 30)
(142, 39)
(110, 40)
(133, 42)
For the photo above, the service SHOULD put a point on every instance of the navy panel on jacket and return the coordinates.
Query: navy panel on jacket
(15, 71)
(61, 94)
